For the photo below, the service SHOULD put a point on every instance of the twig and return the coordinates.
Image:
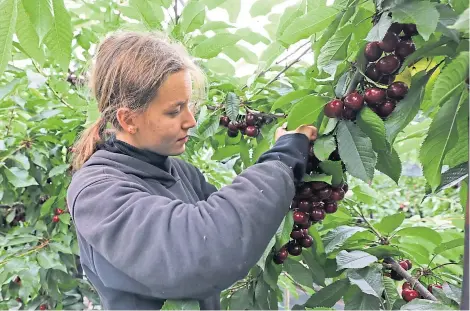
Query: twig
(445, 264)
(395, 266)
(175, 8)
(298, 285)
(356, 78)
(9, 122)
(366, 221)
(284, 70)
(34, 249)
(290, 54)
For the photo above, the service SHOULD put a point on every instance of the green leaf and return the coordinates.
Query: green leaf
(193, 16)
(355, 150)
(19, 178)
(289, 98)
(389, 163)
(368, 279)
(364, 193)
(422, 232)
(429, 48)
(305, 26)
(59, 39)
(316, 270)
(225, 152)
(463, 194)
(424, 304)
(335, 169)
(317, 177)
(146, 13)
(371, 124)
(377, 33)
(442, 136)
(459, 154)
(22, 160)
(452, 292)
(290, 14)
(355, 299)
(334, 51)
(306, 111)
(41, 16)
(59, 169)
(239, 51)
(422, 13)
(450, 79)
(269, 55)
(220, 66)
(283, 236)
(327, 296)
(262, 261)
(383, 251)
(180, 305)
(214, 25)
(46, 259)
(242, 299)
(447, 17)
(448, 245)
(390, 292)
(353, 260)
(26, 33)
(233, 9)
(263, 7)
(8, 15)
(324, 146)
(408, 107)
(252, 37)
(212, 46)
(298, 272)
(453, 176)
(336, 237)
(232, 105)
(261, 294)
(461, 23)
(389, 223)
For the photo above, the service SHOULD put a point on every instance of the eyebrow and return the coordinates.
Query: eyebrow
(180, 103)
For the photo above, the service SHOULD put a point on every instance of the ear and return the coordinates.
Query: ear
(128, 120)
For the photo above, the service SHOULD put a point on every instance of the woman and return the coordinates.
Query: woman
(149, 226)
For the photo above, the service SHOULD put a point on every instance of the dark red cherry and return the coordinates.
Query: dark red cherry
(374, 95)
(372, 51)
(397, 90)
(389, 42)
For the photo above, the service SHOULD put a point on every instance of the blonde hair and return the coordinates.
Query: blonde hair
(129, 68)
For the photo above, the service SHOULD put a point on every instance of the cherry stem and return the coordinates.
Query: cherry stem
(359, 212)
(395, 266)
(271, 115)
(444, 264)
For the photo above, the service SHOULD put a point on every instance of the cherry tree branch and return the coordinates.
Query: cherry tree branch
(395, 266)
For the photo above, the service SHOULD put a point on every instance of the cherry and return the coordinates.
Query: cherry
(17, 280)
(331, 207)
(224, 121)
(430, 286)
(404, 264)
(325, 193)
(318, 204)
(305, 226)
(388, 64)
(305, 206)
(372, 52)
(373, 73)
(348, 114)
(337, 194)
(300, 217)
(355, 101)
(396, 28)
(397, 90)
(233, 126)
(281, 256)
(317, 214)
(305, 191)
(294, 248)
(405, 48)
(406, 285)
(410, 265)
(318, 185)
(250, 119)
(306, 242)
(410, 29)
(43, 307)
(345, 187)
(231, 133)
(387, 79)
(58, 211)
(374, 95)
(252, 131)
(55, 218)
(395, 276)
(242, 127)
(297, 234)
(409, 294)
(333, 109)
(386, 108)
(389, 42)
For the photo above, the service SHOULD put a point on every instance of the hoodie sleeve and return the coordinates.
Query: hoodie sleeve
(179, 250)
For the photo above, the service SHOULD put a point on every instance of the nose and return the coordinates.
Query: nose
(189, 120)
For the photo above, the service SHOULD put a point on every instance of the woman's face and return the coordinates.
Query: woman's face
(164, 126)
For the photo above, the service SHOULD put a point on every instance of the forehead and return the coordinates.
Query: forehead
(177, 87)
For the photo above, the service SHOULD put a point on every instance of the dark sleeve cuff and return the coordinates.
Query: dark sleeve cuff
(292, 150)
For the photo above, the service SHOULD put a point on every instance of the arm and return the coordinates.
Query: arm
(180, 250)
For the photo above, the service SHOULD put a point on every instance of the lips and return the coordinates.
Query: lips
(183, 138)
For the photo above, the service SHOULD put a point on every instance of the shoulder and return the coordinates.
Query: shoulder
(186, 167)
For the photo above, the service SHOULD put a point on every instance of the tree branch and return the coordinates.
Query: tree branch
(290, 54)
(395, 266)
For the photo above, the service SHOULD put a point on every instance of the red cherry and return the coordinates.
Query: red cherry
(430, 286)
(404, 265)
(355, 101)
(397, 90)
(389, 42)
(337, 194)
(348, 114)
(317, 214)
(306, 225)
(373, 73)
(410, 265)
(252, 131)
(305, 191)
(55, 218)
(331, 207)
(409, 294)
(43, 307)
(396, 28)
(231, 133)
(324, 194)
(406, 285)
(386, 108)
(281, 256)
(318, 204)
(300, 217)
(374, 95)
(305, 206)
(250, 119)
(233, 126)
(58, 211)
(372, 52)
(333, 109)
(297, 234)
(410, 29)
(345, 187)
(405, 48)
(294, 249)
(224, 121)
(317, 185)
(306, 242)
(388, 65)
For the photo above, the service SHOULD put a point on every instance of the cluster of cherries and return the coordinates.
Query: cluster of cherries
(57, 212)
(385, 58)
(249, 126)
(312, 201)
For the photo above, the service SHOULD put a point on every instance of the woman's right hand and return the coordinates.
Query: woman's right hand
(308, 130)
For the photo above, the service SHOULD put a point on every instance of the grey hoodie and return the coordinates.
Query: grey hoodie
(148, 233)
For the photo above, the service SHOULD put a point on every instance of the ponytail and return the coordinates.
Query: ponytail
(86, 145)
